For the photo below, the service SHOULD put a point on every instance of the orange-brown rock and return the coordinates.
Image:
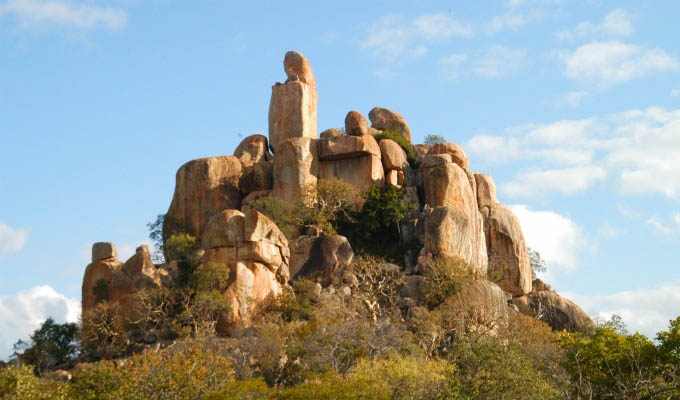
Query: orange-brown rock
(251, 197)
(392, 177)
(457, 154)
(538, 285)
(486, 191)
(296, 167)
(141, 269)
(360, 172)
(99, 271)
(393, 156)
(257, 255)
(455, 228)
(507, 251)
(253, 149)
(344, 147)
(480, 307)
(330, 133)
(103, 250)
(435, 160)
(356, 124)
(203, 187)
(297, 68)
(257, 176)
(387, 120)
(320, 258)
(292, 113)
(558, 312)
(421, 151)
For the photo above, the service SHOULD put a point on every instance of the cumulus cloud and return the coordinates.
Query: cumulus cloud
(393, 37)
(22, 313)
(647, 311)
(658, 226)
(616, 23)
(612, 62)
(493, 62)
(637, 149)
(557, 238)
(32, 13)
(565, 180)
(12, 239)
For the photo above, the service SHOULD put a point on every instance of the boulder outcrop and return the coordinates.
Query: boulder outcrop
(481, 307)
(253, 149)
(292, 109)
(486, 192)
(383, 119)
(257, 255)
(320, 258)
(456, 152)
(356, 124)
(203, 187)
(393, 156)
(508, 253)
(346, 147)
(555, 310)
(360, 172)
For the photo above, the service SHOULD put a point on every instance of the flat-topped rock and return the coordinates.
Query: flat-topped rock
(345, 147)
(103, 250)
(292, 113)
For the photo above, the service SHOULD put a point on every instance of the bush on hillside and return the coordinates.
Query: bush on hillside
(51, 346)
(403, 143)
(432, 139)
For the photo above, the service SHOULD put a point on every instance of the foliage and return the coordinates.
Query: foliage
(21, 383)
(180, 247)
(443, 278)
(156, 236)
(537, 264)
(403, 143)
(284, 214)
(432, 139)
(186, 372)
(203, 303)
(609, 363)
(376, 230)
(103, 332)
(378, 284)
(51, 346)
(330, 200)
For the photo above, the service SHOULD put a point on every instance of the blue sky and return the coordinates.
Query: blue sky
(572, 106)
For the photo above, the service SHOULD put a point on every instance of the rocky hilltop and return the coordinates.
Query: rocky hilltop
(454, 213)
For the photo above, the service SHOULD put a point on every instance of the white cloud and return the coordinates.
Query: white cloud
(573, 99)
(676, 218)
(658, 226)
(392, 38)
(31, 13)
(509, 21)
(567, 181)
(608, 63)
(22, 313)
(643, 310)
(557, 238)
(637, 149)
(11, 239)
(494, 62)
(616, 23)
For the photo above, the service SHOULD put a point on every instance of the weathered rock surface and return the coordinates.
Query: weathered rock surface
(388, 120)
(141, 269)
(295, 168)
(292, 113)
(330, 133)
(435, 160)
(103, 250)
(486, 191)
(507, 251)
(345, 147)
(538, 285)
(455, 228)
(258, 176)
(257, 255)
(321, 258)
(421, 151)
(482, 306)
(555, 310)
(356, 124)
(203, 187)
(455, 151)
(253, 149)
(393, 156)
(297, 68)
(361, 172)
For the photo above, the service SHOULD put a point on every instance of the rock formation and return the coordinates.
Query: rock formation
(456, 214)
(292, 110)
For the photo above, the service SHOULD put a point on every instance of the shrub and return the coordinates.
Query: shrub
(431, 139)
(330, 200)
(284, 214)
(401, 141)
(103, 331)
(21, 383)
(379, 286)
(180, 247)
(443, 278)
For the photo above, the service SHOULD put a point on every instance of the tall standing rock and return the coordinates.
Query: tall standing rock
(203, 187)
(508, 253)
(296, 167)
(455, 228)
(292, 109)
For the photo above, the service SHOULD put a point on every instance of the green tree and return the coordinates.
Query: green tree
(156, 236)
(431, 139)
(51, 346)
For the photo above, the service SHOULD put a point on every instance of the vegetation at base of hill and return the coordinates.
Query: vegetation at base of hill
(403, 143)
